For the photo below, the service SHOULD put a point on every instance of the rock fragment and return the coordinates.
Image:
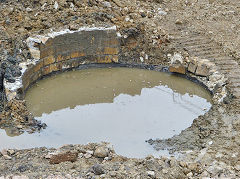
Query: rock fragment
(63, 157)
(177, 69)
(98, 169)
(151, 174)
(177, 65)
(101, 152)
(204, 67)
(201, 67)
(5, 155)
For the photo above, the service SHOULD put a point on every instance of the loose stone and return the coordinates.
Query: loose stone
(63, 157)
(151, 174)
(98, 169)
(101, 152)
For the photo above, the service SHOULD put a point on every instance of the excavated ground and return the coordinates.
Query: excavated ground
(150, 31)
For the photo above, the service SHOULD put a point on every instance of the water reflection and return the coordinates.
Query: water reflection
(102, 86)
(122, 106)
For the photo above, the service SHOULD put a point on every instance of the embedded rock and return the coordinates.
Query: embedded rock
(201, 67)
(177, 69)
(101, 152)
(177, 58)
(177, 64)
(204, 67)
(192, 66)
(98, 169)
(63, 157)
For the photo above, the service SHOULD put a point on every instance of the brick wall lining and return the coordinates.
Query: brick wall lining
(64, 50)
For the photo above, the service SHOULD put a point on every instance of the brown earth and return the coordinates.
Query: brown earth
(151, 30)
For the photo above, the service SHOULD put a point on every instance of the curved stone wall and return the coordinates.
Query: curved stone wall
(59, 51)
(64, 50)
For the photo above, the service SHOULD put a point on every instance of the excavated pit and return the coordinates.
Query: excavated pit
(210, 146)
(86, 47)
(123, 106)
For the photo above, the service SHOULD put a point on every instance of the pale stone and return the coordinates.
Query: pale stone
(11, 152)
(56, 5)
(164, 171)
(204, 174)
(107, 4)
(87, 155)
(151, 174)
(35, 53)
(90, 152)
(177, 58)
(176, 65)
(4, 152)
(215, 77)
(190, 174)
(20, 177)
(193, 166)
(101, 152)
(19, 126)
(182, 164)
(50, 154)
(237, 167)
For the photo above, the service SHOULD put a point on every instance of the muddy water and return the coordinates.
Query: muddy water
(119, 105)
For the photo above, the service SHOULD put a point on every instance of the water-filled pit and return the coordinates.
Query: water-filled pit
(123, 106)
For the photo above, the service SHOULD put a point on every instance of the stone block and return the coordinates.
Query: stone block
(28, 73)
(26, 83)
(77, 54)
(26, 78)
(64, 157)
(35, 76)
(35, 53)
(202, 70)
(177, 59)
(46, 70)
(104, 59)
(90, 59)
(48, 60)
(110, 51)
(38, 66)
(74, 63)
(55, 67)
(204, 67)
(111, 42)
(10, 94)
(60, 58)
(63, 56)
(47, 41)
(192, 65)
(115, 58)
(51, 68)
(177, 69)
(46, 52)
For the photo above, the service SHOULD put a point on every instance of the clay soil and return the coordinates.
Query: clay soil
(209, 148)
